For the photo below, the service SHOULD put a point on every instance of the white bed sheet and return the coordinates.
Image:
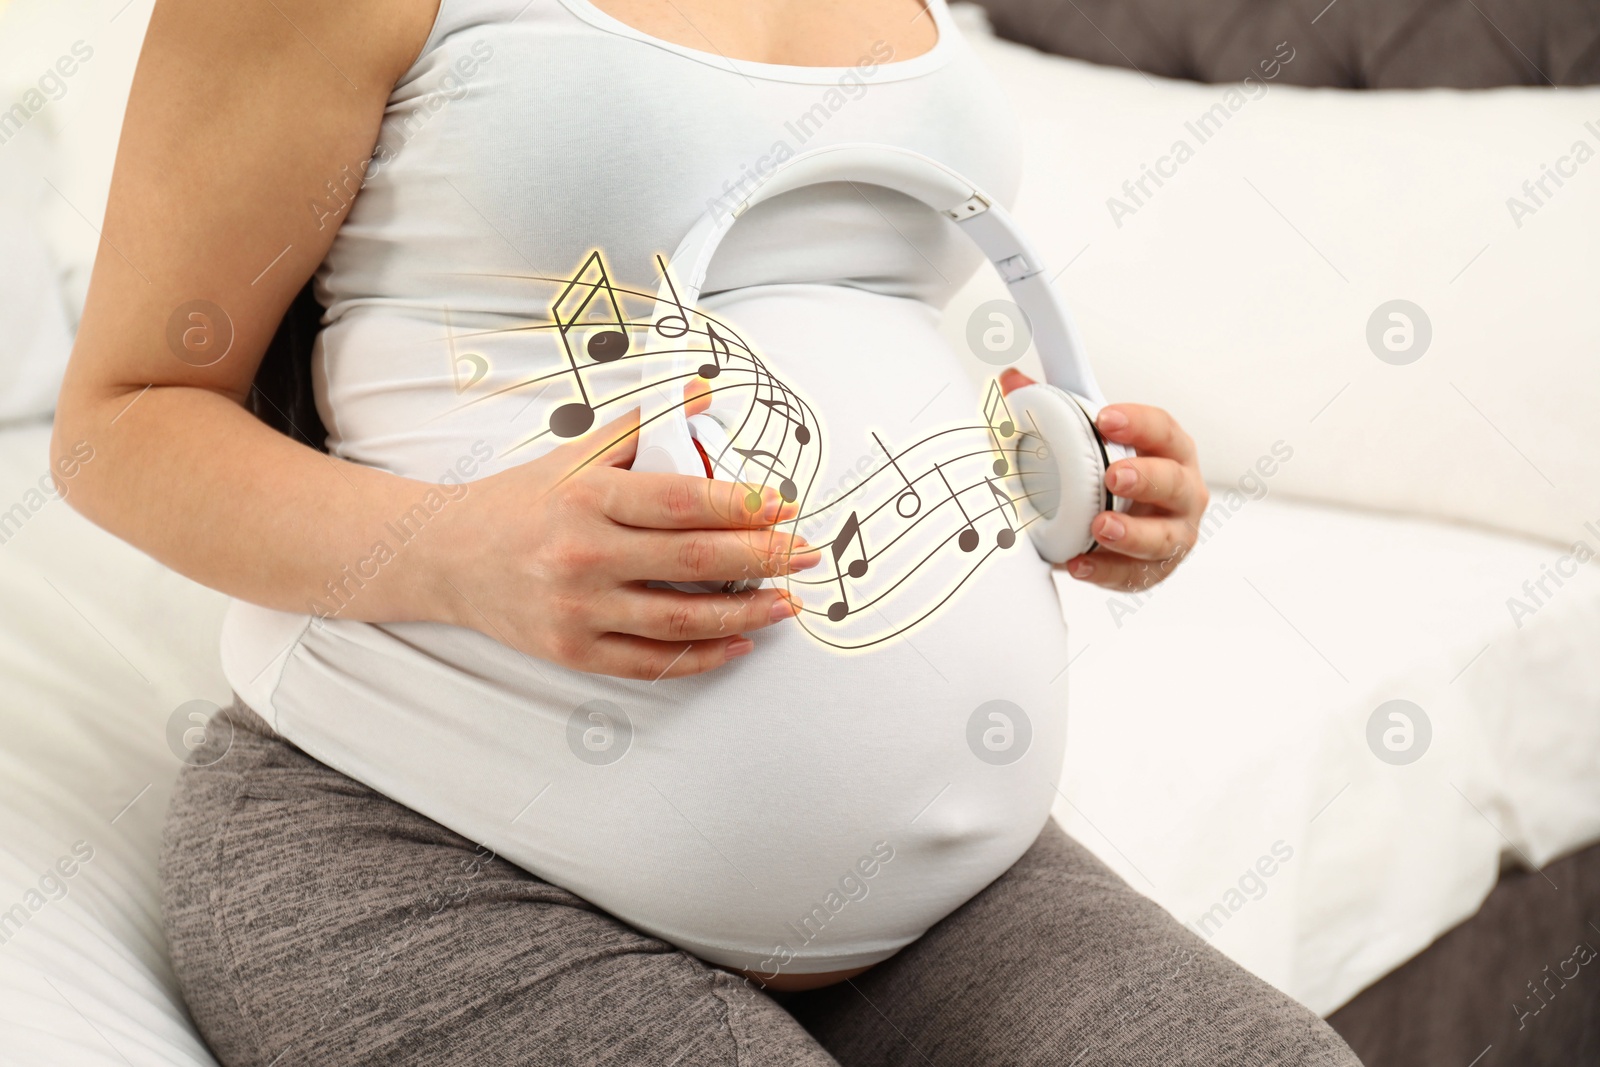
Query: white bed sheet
(1226, 711)
(98, 646)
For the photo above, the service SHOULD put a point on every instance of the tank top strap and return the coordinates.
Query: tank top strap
(454, 16)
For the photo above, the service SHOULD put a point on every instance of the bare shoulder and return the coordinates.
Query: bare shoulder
(360, 42)
(239, 117)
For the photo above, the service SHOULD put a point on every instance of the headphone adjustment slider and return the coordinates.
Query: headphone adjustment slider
(1016, 268)
(976, 204)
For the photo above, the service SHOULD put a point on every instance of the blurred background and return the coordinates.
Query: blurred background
(1354, 246)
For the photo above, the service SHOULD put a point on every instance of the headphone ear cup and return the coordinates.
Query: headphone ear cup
(709, 439)
(1062, 463)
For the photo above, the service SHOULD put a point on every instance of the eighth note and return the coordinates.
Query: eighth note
(786, 487)
(479, 365)
(1007, 537)
(480, 369)
(1041, 451)
(802, 432)
(715, 341)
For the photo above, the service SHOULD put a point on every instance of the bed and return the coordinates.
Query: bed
(1416, 543)
(1233, 750)
(103, 653)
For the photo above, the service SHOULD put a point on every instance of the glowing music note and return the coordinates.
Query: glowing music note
(605, 346)
(1007, 537)
(969, 537)
(674, 317)
(480, 370)
(786, 487)
(479, 365)
(791, 414)
(910, 492)
(851, 531)
(1042, 449)
(718, 347)
(996, 398)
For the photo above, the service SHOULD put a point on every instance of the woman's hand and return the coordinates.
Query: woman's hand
(1141, 548)
(551, 557)
(232, 122)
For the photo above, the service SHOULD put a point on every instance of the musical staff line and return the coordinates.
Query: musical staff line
(886, 552)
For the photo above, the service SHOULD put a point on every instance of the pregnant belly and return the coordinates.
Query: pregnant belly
(807, 808)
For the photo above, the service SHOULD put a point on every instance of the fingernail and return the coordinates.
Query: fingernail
(1112, 529)
(1122, 480)
(1111, 420)
(739, 646)
(784, 608)
(805, 562)
(1081, 569)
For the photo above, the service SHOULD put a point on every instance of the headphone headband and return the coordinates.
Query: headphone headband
(984, 221)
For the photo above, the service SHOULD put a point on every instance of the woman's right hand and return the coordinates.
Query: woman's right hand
(551, 558)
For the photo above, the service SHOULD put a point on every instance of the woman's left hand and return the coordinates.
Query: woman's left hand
(1142, 547)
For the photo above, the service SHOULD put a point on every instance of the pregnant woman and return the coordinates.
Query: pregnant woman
(487, 795)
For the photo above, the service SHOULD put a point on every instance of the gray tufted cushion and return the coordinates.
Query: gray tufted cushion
(1350, 44)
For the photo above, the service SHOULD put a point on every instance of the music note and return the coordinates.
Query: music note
(802, 432)
(786, 487)
(851, 531)
(910, 491)
(479, 365)
(1007, 537)
(715, 341)
(604, 346)
(969, 537)
(1041, 451)
(996, 398)
(674, 317)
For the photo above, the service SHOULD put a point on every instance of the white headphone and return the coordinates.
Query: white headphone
(1063, 479)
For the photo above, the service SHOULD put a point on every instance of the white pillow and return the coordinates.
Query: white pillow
(36, 340)
(74, 119)
(99, 647)
(1238, 292)
(65, 70)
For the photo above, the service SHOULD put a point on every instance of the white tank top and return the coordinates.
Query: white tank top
(802, 809)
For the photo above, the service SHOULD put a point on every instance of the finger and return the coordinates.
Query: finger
(1143, 537)
(1110, 570)
(629, 656)
(668, 615)
(686, 502)
(709, 555)
(1012, 379)
(696, 396)
(1154, 480)
(1151, 431)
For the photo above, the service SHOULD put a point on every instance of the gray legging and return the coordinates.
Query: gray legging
(314, 921)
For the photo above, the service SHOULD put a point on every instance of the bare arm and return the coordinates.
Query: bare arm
(233, 124)
(238, 116)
